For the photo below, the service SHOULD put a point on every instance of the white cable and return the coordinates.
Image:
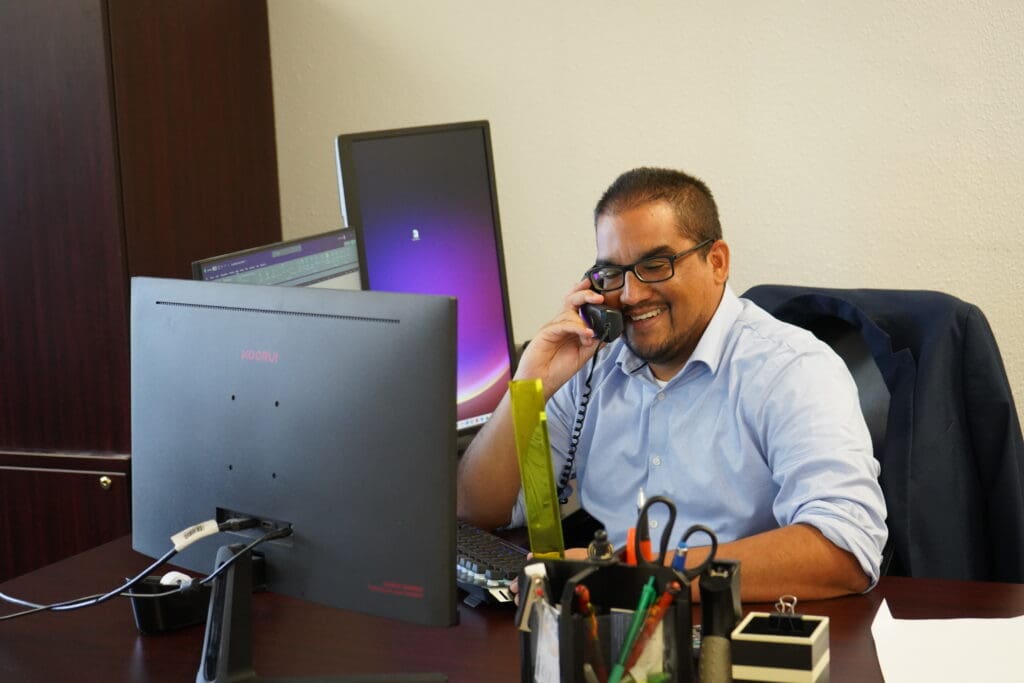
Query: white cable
(187, 537)
(16, 601)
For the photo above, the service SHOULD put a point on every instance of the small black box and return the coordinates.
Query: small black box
(170, 612)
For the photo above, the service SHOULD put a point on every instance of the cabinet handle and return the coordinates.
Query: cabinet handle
(106, 482)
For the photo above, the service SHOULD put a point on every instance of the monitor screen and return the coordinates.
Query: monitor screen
(330, 411)
(425, 210)
(329, 259)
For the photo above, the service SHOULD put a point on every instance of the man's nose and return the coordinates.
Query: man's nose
(633, 289)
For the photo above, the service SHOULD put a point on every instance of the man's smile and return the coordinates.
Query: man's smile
(646, 314)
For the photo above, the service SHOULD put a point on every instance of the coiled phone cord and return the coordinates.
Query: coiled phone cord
(577, 431)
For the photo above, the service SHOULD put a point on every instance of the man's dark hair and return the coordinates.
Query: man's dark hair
(690, 199)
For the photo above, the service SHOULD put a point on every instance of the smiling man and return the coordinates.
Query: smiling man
(750, 425)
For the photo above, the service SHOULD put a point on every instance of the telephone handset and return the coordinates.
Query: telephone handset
(604, 320)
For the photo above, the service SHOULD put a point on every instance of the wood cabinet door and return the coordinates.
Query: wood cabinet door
(53, 506)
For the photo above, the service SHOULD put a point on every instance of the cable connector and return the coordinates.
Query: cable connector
(283, 532)
(238, 523)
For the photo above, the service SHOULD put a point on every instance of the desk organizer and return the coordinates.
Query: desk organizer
(612, 586)
(784, 648)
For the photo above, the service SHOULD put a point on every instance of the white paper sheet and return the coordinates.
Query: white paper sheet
(913, 650)
(546, 666)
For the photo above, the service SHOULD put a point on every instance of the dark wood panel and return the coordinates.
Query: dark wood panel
(49, 513)
(196, 130)
(192, 117)
(63, 317)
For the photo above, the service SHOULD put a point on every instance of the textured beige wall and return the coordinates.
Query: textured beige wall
(849, 144)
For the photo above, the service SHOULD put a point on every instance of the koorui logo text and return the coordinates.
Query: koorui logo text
(259, 356)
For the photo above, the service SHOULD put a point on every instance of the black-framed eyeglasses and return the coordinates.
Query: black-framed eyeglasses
(651, 269)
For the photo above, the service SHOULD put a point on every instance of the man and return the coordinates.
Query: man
(751, 426)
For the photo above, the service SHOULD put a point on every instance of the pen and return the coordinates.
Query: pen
(586, 608)
(679, 563)
(651, 621)
(646, 598)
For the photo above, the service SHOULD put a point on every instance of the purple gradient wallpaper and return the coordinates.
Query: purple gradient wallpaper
(424, 212)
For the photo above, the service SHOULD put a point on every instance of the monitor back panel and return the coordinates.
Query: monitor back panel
(329, 410)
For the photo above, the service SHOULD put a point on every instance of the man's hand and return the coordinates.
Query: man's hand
(562, 346)
(488, 473)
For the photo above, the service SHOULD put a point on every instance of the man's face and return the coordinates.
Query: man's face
(663, 320)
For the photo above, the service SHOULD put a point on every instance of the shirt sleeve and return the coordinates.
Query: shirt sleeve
(820, 454)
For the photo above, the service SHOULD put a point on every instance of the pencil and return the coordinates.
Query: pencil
(593, 640)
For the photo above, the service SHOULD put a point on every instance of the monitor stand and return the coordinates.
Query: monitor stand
(227, 645)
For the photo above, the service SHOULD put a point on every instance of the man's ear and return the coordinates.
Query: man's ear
(718, 257)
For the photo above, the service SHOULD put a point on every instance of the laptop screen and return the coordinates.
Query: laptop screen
(329, 259)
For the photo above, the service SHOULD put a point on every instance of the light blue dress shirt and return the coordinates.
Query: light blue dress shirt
(761, 428)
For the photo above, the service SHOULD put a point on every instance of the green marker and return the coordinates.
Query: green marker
(647, 596)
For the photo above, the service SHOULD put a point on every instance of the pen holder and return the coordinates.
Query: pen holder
(559, 648)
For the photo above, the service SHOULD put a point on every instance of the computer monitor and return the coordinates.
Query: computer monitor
(425, 210)
(329, 259)
(330, 411)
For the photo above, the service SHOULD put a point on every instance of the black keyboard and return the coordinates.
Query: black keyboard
(486, 565)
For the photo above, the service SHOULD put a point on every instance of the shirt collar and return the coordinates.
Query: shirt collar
(711, 345)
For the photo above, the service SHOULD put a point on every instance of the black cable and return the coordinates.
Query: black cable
(89, 602)
(42, 608)
(234, 524)
(577, 431)
(269, 536)
(184, 588)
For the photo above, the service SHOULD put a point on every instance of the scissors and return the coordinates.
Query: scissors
(642, 526)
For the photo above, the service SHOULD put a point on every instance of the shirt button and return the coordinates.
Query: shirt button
(653, 524)
(661, 395)
(656, 461)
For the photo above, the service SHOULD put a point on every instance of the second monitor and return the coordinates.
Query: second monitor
(424, 207)
(328, 260)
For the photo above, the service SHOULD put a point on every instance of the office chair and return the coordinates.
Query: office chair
(950, 446)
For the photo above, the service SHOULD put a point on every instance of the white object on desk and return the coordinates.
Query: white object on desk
(546, 665)
(947, 649)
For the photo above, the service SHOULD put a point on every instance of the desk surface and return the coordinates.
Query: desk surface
(296, 638)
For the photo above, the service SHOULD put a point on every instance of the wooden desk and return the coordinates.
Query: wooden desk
(296, 638)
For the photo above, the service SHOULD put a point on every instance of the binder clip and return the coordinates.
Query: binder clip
(535, 593)
(785, 619)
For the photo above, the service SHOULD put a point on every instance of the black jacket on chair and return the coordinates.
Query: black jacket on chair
(952, 462)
